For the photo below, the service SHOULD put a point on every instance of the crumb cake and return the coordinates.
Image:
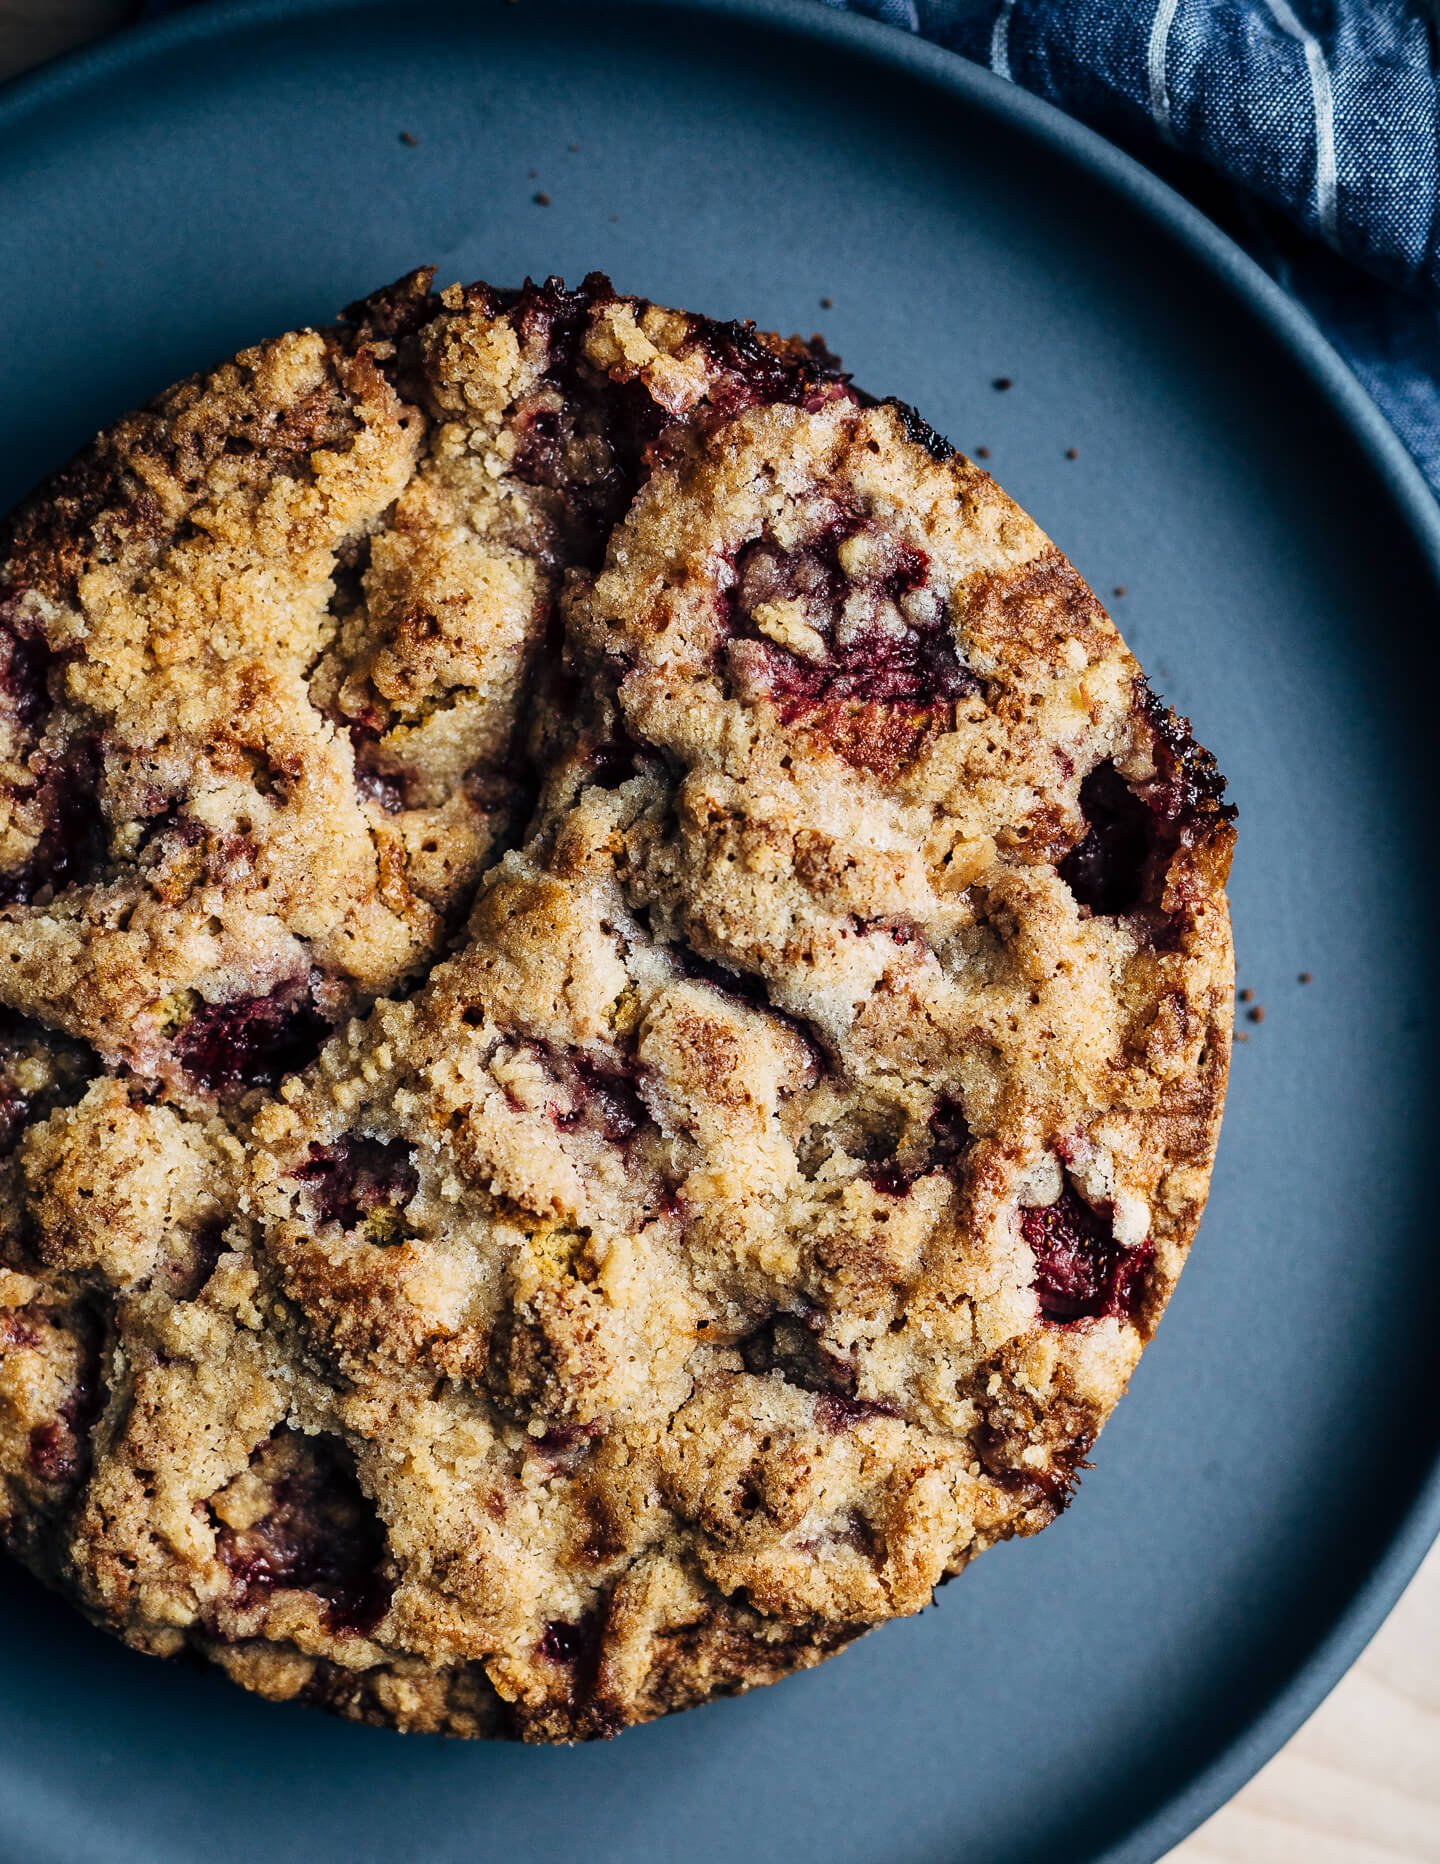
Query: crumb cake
(614, 1008)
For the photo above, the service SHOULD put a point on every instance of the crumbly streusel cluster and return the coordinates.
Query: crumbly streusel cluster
(616, 1002)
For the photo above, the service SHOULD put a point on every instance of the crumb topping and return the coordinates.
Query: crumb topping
(616, 1001)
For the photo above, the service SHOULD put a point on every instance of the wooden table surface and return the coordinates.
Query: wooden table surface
(1360, 1782)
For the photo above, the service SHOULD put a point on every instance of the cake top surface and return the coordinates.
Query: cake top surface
(617, 1005)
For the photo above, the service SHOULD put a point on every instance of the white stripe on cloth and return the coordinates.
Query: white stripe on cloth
(1000, 41)
(1323, 99)
(1159, 48)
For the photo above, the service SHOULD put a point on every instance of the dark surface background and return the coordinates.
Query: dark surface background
(1093, 1688)
(1306, 130)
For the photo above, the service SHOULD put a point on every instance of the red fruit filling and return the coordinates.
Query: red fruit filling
(53, 1453)
(564, 1642)
(604, 1099)
(387, 788)
(25, 663)
(1081, 1271)
(58, 1452)
(251, 1041)
(578, 1646)
(15, 1116)
(613, 761)
(563, 1443)
(1108, 870)
(321, 1535)
(63, 789)
(836, 1412)
(357, 1175)
(884, 633)
(1133, 831)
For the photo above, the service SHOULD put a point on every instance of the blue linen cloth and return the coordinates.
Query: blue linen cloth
(1310, 129)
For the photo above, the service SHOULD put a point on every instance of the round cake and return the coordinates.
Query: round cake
(614, 1008)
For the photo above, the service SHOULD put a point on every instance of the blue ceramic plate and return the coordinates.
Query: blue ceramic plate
(1269, 1484)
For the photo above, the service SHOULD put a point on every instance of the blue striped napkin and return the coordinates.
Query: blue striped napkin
(1310, 129)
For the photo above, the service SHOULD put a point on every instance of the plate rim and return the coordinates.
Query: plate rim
(51, 84)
